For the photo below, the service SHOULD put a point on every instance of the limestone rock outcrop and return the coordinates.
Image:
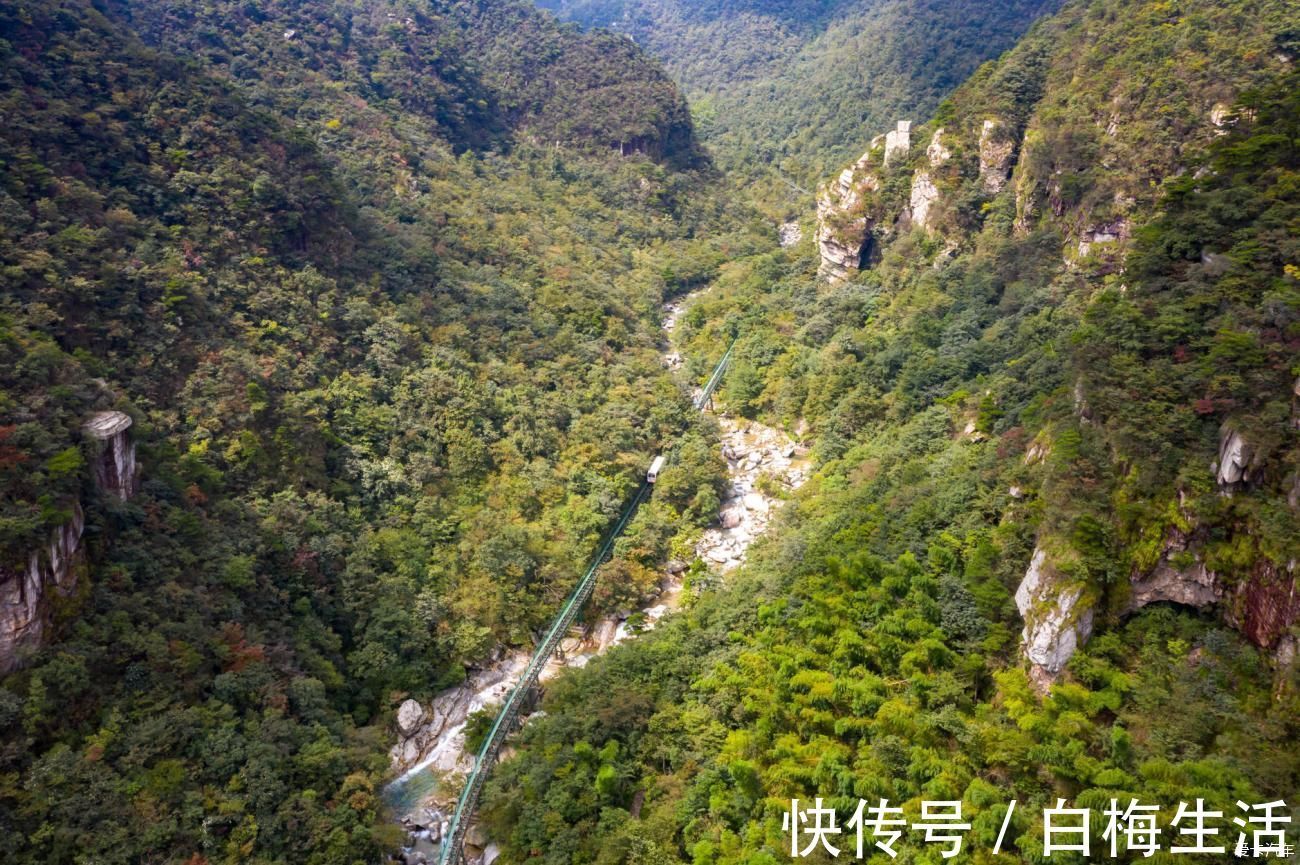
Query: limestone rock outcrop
(898, 141)
(995, 157)
(924, 195)
(936, 151)
(1107, 232)
(26, 595)
(1263, 602)
(114, 466)
(1235, 455)
(1222, 118)
(1056, 622)
(924, 191)
(1175, 579)
(843, 228)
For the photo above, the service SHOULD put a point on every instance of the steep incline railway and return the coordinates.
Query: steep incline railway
(454, 839)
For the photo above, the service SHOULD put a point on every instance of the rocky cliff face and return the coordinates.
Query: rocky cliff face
(1192, 585)
(844, 226)
(1266, 607)
(1264, 604)
(925, 194)
(1093, 182)
(1056, 622)
(996, 150)
(1235, 453)
(849, 217)
(843, 229)
(898, 141)
(28, 596)
(114, 466)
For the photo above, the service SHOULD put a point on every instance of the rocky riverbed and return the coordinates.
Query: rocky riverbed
(763, 464)
(430, 757)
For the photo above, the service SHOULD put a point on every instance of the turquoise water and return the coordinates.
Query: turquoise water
(404, 795)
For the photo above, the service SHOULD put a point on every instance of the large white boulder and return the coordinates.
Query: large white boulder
(410, 715)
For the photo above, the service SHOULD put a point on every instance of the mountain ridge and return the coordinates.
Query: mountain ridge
(774, 85)
(1040, 555)
(371, 411)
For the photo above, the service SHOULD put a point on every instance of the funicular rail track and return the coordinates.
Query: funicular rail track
(453, 842)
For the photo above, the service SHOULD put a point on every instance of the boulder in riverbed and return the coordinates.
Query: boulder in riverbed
(410, 715)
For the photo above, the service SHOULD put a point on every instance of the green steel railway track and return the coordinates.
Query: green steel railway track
(453, 841)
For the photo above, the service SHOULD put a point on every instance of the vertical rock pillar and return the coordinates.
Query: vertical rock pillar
(114, 464)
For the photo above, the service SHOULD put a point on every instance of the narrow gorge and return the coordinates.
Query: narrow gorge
(764, 466)
(623, 424)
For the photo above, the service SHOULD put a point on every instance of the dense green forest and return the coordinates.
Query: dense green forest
(986, 388)
(387, 324)
(379, 285)
(786, 92)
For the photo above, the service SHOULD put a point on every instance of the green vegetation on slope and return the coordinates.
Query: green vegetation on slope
(982, 389)
(484, 72)
(380, 291)
(795, 89)
(392, 360)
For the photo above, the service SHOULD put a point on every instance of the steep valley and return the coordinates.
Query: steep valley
(433, 754)
(336, 337)
(1039, 553)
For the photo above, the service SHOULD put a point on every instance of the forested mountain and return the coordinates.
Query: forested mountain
(330, 346)
(1049, 371)
(481, 71)
(796, 86)
(377, 289)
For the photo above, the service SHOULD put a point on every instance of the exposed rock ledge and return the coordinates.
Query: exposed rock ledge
(898, 141)
(843, 229)
(115, 468)
(1234, 459)
(996, 152)
(1264, 605)
(1055, 623)
(1179, 577)
(27, 594)
(846, 224)
(924, 195)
